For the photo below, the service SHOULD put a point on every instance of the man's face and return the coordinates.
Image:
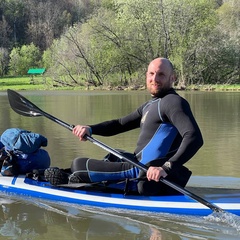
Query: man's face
(159, 77)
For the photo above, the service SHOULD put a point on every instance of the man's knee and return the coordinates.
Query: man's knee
(78, 164)
(179, 176)
(79, 170)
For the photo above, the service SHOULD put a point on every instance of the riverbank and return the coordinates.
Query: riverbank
(40, 83)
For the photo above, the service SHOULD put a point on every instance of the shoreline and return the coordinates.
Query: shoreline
(24, 83)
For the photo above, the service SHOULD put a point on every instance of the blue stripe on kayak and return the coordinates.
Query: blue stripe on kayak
(14, 180)
(46, 196)
(185, 211)
(175, 204)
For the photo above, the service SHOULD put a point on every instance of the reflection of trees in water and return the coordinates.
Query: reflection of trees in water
(27, 219)
(20, 220)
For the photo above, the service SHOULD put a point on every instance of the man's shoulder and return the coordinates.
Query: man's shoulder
(172, 96)
(173, 100)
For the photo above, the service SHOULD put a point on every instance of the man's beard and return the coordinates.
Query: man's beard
(161, 93)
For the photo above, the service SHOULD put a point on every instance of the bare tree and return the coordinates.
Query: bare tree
(4, 59)
(47, 20)
(5, 31)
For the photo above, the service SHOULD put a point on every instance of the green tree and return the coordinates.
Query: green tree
(81, 55)
(121, 37)
(15, 61)
(229, 29)
(21, 59)
(61, 61)
(188, 23)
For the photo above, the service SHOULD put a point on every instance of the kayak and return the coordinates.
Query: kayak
(92, 196)
(188, 203)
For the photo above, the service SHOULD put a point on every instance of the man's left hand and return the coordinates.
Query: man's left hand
(155, 173)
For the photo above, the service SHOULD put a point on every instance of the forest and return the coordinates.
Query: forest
(111, 42)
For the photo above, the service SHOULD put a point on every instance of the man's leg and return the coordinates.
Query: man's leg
(92, 170)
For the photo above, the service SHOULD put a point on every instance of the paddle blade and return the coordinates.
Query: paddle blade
(21, 105)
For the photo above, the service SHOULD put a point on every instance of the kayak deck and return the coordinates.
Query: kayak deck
(229, 200)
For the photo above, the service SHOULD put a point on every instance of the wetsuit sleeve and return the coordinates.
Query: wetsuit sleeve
(116, 126)
(177, 111)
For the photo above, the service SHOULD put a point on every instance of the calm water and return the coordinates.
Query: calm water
(215, 165)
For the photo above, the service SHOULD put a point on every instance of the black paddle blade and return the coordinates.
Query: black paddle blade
(21, 105)
(24, 107)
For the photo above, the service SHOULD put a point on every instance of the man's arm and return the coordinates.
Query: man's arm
(178, 112)
(116, 126)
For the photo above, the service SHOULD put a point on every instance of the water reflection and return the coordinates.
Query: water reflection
(21, 221)
(28, 220)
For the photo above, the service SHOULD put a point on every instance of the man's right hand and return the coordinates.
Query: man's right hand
(80, 131)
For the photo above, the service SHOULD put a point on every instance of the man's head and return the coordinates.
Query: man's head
(160, 76)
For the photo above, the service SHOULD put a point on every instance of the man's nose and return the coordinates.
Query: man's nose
(155, 77)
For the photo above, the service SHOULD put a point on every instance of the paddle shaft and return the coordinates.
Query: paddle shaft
(24, 107)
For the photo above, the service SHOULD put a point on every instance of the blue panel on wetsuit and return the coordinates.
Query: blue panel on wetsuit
(160, 143)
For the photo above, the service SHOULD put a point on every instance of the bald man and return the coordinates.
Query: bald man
(169, 137)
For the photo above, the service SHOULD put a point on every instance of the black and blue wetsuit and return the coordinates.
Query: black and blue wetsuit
(169, 137)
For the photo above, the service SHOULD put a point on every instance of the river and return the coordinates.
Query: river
(215, 165)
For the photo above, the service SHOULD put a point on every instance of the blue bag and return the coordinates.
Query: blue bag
(22, 141)
(37, 160)
(1, 145)
(22, 152)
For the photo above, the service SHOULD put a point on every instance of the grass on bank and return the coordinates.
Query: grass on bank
(216, 87)
(23, 83)
(42, 83)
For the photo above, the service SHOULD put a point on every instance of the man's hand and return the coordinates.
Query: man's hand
(80, 131)
(155, 173)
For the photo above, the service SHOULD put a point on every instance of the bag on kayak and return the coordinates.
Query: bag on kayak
(22, 141)
(14, 164)
(22, 152)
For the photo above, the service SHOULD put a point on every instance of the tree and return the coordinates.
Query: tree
(5, 32)
(189, 23)
(120, 37)
(4, 59)
(14, 13)
(229, 29)
(21, 59)
(72, 58)
(46, 21)
(15, 61)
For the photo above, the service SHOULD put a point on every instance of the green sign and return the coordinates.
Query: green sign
(36, 71)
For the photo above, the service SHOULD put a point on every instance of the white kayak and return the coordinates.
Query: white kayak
(92, 196)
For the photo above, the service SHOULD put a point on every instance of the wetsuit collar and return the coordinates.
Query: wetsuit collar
(164, 93)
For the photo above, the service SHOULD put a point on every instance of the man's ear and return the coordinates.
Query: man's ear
(173, 78)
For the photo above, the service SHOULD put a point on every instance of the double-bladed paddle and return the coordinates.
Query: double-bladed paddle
(24, 107)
